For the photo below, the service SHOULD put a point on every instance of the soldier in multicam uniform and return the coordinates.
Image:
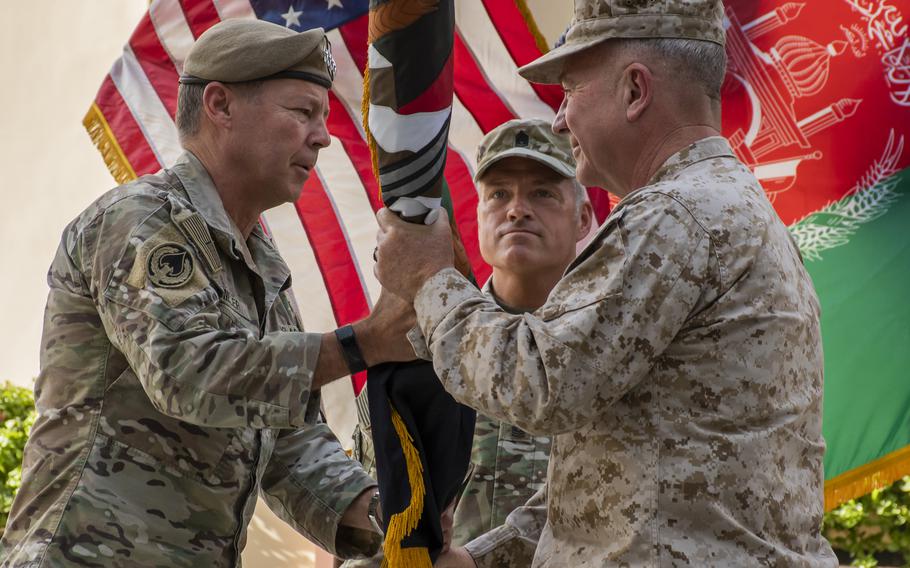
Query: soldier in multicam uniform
(177, 384)
(531, 213)
(678, 363)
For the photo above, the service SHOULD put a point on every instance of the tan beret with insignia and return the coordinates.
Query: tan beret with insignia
(233, 51)
(596, 21)
(533, 139)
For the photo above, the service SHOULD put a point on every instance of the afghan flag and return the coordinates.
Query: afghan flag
(817, 103)
(421, 436)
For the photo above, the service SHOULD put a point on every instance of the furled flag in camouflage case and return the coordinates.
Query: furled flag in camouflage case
(422, 437)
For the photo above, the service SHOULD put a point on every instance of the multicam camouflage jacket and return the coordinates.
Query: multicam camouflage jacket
(678, 367)
(508, 466)
(175, 388)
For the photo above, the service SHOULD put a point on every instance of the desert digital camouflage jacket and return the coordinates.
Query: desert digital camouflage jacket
(174, 388)
(678, 366)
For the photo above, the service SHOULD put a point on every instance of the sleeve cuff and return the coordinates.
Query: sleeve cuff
(500, 548)
(350, 542)
(438, 296)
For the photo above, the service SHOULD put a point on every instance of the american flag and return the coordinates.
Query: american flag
(329, 234)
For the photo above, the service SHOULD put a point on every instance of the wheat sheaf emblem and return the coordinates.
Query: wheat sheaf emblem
(870, 198)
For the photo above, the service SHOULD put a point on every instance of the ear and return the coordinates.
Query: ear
(638, 90)
(218, 104)
(585, 219)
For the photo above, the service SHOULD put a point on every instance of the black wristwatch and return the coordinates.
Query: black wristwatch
(350, 350)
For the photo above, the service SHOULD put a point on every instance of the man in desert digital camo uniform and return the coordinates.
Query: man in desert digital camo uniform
(678, 363)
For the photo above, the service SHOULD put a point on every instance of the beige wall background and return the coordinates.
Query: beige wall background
(53, 56)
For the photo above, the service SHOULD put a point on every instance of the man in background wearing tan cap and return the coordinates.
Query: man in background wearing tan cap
(531, 213)
(678, 362)
(177, 384)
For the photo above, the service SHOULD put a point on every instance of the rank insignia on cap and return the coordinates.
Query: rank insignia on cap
(329, 59)
(522, 139)
(170, 265)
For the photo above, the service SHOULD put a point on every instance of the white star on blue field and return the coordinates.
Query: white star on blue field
(301, 15)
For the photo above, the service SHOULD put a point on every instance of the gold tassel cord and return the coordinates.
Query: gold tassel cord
(532, 26)
(371, 142)
(866, 478)
(403, 523)
(103, 138)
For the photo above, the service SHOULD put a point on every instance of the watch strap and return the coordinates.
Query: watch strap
(349, 349)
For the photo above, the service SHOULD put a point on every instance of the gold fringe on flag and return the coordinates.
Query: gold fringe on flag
(403, 523)
(532, 26)
(866, 478)
(103, 139)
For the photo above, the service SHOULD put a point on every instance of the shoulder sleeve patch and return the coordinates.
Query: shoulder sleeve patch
(165, 265)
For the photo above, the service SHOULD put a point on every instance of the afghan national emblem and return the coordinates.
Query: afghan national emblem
(170, 265)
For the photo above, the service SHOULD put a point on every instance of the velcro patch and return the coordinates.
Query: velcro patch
(170, 265)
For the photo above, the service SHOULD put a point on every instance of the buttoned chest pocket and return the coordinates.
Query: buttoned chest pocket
(597, 274)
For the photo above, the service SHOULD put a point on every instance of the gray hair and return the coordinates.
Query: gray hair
(189, 104)
(581, 195)
(701, 62)
(189, 109)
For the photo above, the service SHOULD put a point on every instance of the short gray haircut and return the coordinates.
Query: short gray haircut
(698, 61)
(189, 104)
(581, 195)
(189, 109)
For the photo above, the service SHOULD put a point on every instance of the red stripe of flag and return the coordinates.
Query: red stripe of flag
(155, 63)
(200, 15)
(126, 131)
(464, 202)
(355, 35)
(474, 90)
(520, 42)
(332, 252)
(342, 126)
(333, 256)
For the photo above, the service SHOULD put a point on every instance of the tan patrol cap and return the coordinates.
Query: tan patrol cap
(596, 21)
(233, 51)
(531, 138)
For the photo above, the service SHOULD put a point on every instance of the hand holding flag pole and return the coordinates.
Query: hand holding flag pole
(421, 436)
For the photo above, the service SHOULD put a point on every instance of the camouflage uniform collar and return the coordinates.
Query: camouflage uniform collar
(258, 251)
(201, 191)
(704, 149)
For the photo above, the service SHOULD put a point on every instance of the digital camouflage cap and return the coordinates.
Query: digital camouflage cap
(234, 51)
(596, 21)
(531, 138)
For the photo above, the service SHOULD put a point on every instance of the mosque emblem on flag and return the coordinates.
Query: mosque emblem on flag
(775, 141)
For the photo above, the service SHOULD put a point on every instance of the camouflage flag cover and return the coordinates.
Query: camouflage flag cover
(421, 436)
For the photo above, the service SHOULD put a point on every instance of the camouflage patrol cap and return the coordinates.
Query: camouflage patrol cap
(530, 138)
(233, 51)
(596, 21)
